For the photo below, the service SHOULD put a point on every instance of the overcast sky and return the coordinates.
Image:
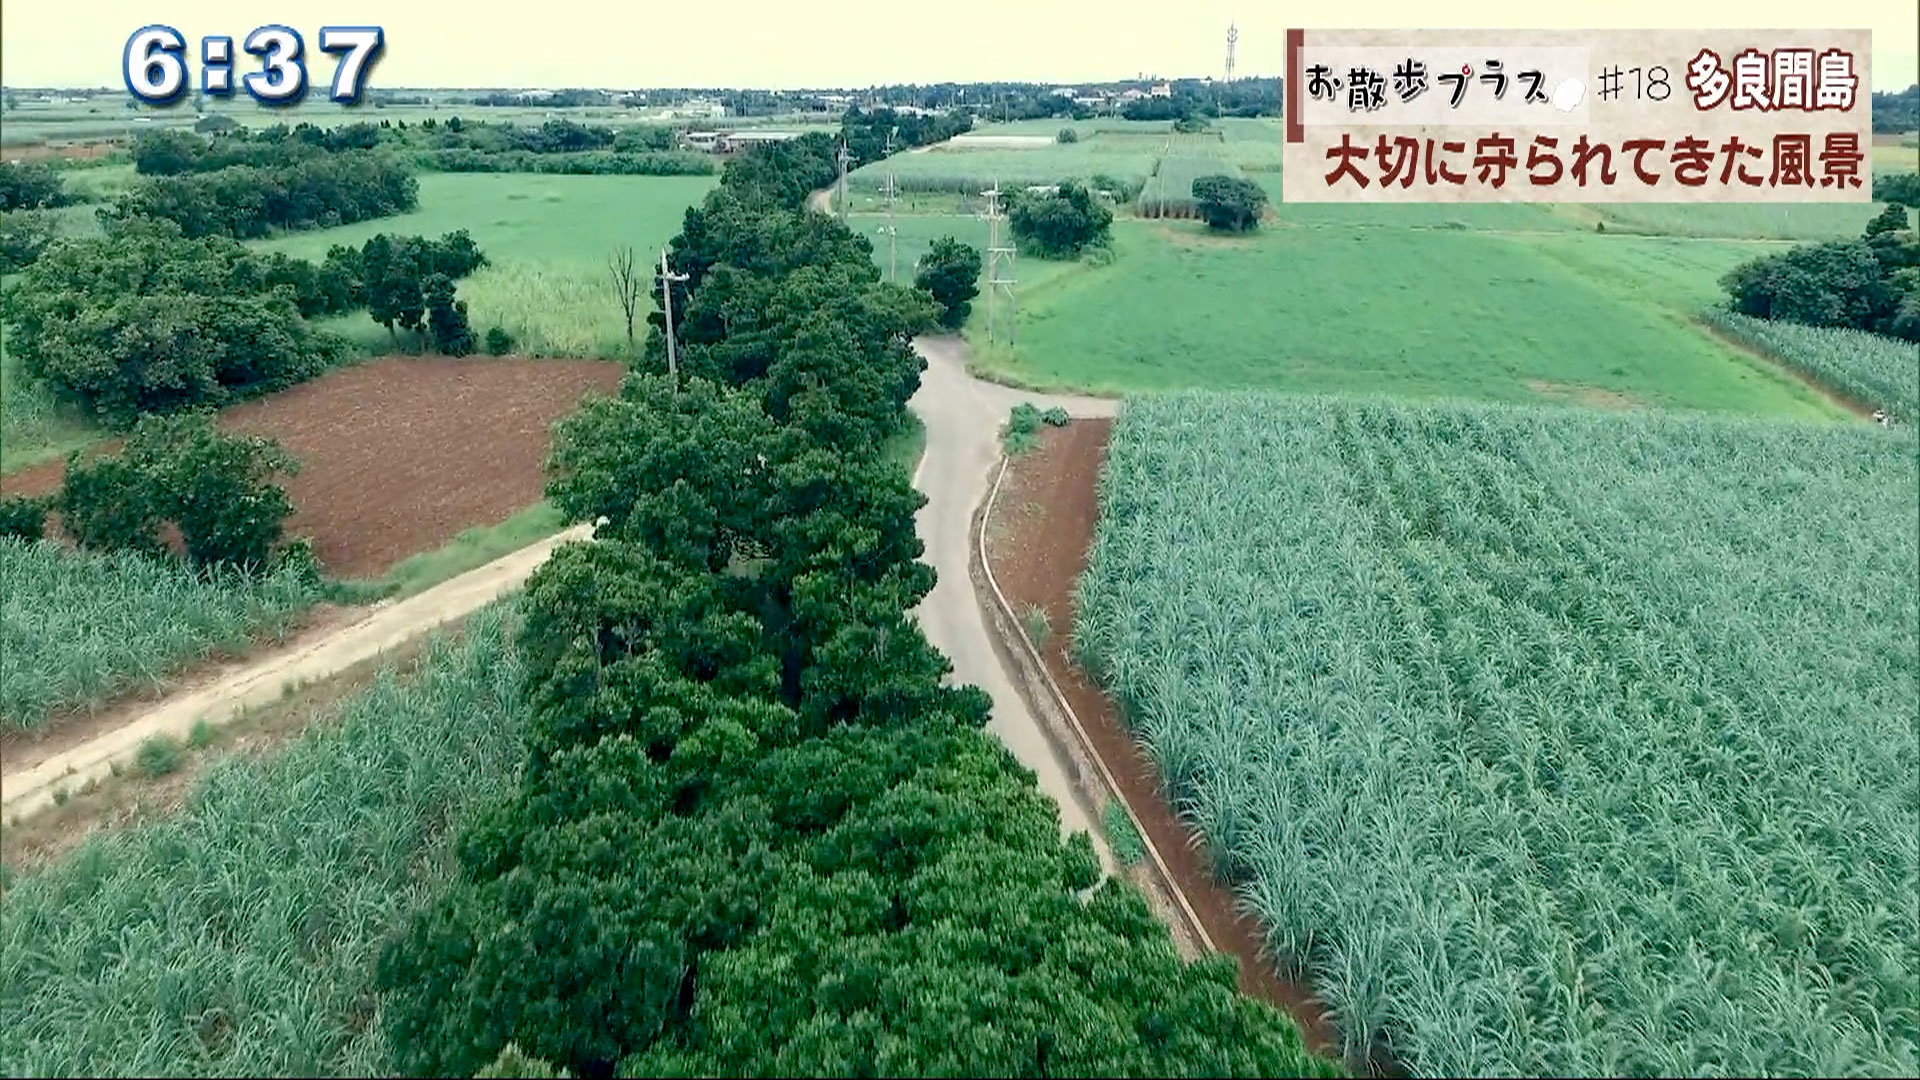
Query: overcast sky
(783, 43)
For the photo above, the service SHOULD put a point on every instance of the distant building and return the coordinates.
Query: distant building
(741, 140)
(728, 142)
(535, 95)
(1132, 95)
(1162, 90)
(1064, 91)
(697, 109)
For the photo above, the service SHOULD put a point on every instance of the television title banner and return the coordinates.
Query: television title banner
(1581, 116)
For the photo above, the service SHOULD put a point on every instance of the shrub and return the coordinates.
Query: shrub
(107, 504)
(1038, 626)
(1067, 135)
(24, 517)
(217, 488)
(1229, 203)
(159, 755)
(30, 185)
(24, 234)
(499, 342)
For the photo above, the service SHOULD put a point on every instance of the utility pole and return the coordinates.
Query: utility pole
(667, 281)
(842, 157)
(893, 234)
(999, 265)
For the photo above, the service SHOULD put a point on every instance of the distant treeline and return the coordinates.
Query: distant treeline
(245, 201)
(589, 163)
(453, 145)
(1897, 112)
(866, 131)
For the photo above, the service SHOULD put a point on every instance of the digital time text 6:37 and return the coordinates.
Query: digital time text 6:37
(154, 63)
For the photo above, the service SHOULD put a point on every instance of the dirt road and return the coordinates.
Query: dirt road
(962, 417)
(382, 629)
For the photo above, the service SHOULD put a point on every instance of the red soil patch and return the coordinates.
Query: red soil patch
(1037, 540)
(85, 151)
(399, 455)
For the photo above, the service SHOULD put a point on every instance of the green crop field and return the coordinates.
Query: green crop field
(238, 936)
(1545, 741)
(1123, 150)
(79, 627)
(547, 238)
(1867, 368)
(1406, 311)
(1812, 221)
(1169, 192)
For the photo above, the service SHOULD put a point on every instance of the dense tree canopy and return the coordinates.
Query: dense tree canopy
(757, 833)
(247, 201)
(150, 321)
(219, 491)
(30, 185)
(950, 273)
(1061, 224)
(1868, 284)
(1229, 203)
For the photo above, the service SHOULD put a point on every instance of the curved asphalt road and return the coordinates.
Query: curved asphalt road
(963, 417)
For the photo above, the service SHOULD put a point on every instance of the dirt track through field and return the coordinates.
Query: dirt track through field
(383, 629)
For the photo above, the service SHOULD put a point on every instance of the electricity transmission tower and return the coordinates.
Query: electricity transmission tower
(667, 281)
(893, 234)
(1000, 257)
(1233, 38)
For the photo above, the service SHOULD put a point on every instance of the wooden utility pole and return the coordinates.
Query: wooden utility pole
(667, 280)
(843, 157)
(893, 245)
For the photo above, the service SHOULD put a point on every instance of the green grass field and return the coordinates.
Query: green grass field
(77, 628)
(238, 936)
(33, 425)
(1545, 741)
(1418, 312)
(547, 237)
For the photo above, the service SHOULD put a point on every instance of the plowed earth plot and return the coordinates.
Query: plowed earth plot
(399, 455)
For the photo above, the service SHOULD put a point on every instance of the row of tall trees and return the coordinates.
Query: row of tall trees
(755, 832)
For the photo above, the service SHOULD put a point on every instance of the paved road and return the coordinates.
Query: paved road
(963, 417)
(384, 628)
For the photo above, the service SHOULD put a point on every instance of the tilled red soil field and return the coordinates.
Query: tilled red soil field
(1037, 540)
(399, 455)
